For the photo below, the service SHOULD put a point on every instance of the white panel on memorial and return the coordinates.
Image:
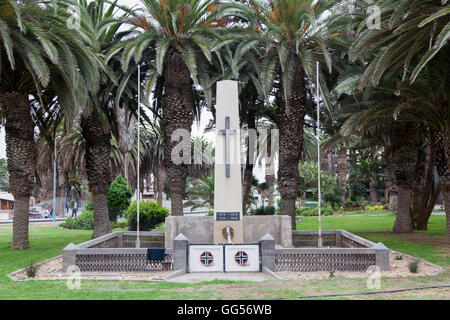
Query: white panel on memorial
(204, 258)
(242, 258)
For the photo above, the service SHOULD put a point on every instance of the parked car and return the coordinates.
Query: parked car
(38, 212)
(35, 212)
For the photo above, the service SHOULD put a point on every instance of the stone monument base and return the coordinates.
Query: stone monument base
(201, 229)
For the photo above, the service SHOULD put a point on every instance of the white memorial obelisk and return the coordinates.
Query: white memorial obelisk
(227, 168)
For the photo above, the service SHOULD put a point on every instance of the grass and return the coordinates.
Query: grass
(47, 241)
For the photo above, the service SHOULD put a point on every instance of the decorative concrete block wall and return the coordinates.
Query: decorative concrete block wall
(116, 252)
(342, 251)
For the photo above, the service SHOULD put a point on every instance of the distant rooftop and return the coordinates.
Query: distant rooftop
(6, 196)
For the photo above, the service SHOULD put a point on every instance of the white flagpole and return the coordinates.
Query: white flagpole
(138, 241)
(320, 242)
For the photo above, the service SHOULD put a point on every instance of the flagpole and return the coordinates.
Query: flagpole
(320, 242)
(138, 241)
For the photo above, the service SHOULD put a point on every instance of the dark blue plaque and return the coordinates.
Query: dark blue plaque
(228, 216)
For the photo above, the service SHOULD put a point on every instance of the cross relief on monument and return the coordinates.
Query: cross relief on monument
(227, 132)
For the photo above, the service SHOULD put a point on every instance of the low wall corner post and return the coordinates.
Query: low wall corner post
(69, 256)
(268, 252)
(382, 256)
(180, 245)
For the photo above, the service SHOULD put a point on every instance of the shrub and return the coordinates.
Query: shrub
(349, 204)
(150, 215)
(375, 207)
(85, 221)
(264, 211)
(31, 270)
(413, 266)
(313, 211)
(119, 224)
(210, 213)
(118, 198)
(333, 197)
(400, 257)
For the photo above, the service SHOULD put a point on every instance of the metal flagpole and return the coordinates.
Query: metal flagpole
(138, 241)
(320, 242)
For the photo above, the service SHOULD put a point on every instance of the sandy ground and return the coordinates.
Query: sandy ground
(52, 270)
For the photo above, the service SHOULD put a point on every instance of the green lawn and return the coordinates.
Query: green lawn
(423, 244)
(47, 242)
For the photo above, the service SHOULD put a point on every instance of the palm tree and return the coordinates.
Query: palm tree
(288, 30)
(412, 41)
(200, 193)
(39, 51)
(370, 172)
(118, 89)
(183, 33)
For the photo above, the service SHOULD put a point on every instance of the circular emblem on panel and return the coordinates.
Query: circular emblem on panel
(206, 258)
(241, 258)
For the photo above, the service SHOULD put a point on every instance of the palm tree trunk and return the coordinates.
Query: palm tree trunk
(403, 222)
(248, 173)
(373, 192)
(405, 159)
(21, 154)
(446, 195)
(393, 199)
(443, 169)
(342, 171)
(422, 221)
(177, 114)
(98, 169)
(291, 115)
(161, 178)
(270, 179)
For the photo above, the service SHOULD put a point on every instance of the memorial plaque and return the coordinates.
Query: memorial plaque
(228, 216)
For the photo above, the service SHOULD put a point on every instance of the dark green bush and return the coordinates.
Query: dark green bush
(118, 198)
(413, 266)
(31, 270)
(150, 215)
(85, 221)
(264, 211)
(313, 211)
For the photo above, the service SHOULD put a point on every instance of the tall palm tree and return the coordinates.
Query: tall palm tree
(183, 33)
(413, 39)
(39, 51)
(293, 41)
(118, 89)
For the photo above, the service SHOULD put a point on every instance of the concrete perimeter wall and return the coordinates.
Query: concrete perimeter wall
(200, 229)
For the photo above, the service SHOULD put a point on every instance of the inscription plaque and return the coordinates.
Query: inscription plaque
(228, 216)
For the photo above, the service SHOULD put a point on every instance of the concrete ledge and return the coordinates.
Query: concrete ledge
(199, 229)
(98, 240)
(174, 274)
